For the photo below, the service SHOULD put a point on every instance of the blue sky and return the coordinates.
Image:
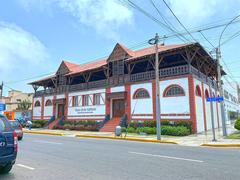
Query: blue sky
(36, 35)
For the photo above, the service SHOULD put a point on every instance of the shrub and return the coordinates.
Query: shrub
(147, 130)
(237, 124)
(131, 130)
(39, 123)
(175, 130)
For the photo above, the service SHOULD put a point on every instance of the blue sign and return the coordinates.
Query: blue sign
(214, 99)
(2, 107)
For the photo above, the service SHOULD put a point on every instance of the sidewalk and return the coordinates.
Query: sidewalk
(204, 139)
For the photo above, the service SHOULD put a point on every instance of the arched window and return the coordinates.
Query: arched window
(48, 103)
(198, 91)
(173, 90)
(37, 104)
(206, 93)
(141, 94)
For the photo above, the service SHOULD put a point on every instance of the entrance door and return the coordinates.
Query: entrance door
(60, 110)
(118, 107)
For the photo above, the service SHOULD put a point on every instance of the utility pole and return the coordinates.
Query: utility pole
(220, 89)
(154, 41)
(212, 116)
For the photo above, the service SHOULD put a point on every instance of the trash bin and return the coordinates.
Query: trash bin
(118, 131)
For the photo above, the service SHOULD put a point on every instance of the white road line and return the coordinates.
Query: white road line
(168, 157)
(47, 142)
(24, 166)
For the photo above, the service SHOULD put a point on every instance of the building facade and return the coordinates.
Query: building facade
(124, 85)
(15, 97)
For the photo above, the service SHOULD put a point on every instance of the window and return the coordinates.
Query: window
(198, 91)
(37, 104)
(97, 99)
(85, 100)
(4, 124)
(75, 101)
(141, 94)
(206, 93)
(173, 90)
(48, 103)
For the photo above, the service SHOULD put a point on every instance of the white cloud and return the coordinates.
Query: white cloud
(106, 16)
(193, 12)
(20, 52)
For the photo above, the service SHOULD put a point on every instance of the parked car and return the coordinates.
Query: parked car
(8, 145)
(18, 129)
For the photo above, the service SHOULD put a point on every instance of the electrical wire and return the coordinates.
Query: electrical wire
(178, 20)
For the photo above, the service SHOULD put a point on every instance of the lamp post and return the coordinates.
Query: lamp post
(154, 41)
(220, 89)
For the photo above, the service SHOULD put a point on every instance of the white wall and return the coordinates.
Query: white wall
(117, 89)
(48, 110)
(91, 111)
(199, 106)
(142, 106)
(37, 110)
(175, 105)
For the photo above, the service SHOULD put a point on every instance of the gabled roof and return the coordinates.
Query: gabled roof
(70, 65)
(120, 52)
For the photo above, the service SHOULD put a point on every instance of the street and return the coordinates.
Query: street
(43, 157)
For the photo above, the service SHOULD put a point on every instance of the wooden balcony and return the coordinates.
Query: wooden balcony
(120, 80)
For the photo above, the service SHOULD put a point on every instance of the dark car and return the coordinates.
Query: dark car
(18, 129)
(8, 145)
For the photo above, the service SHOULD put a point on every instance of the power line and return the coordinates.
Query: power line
(206, 39)
(166, 21)
(178, 20)
(137, 7)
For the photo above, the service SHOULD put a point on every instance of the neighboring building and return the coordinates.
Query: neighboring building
(232, 100)
(15, 97)
(124, 84)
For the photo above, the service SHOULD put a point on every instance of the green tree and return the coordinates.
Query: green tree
(24, 105)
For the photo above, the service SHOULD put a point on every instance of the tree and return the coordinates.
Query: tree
(24, 105)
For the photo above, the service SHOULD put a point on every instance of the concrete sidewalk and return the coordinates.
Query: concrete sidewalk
(203, 139)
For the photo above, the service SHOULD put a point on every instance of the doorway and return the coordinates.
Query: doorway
(118, 107)
(60, 111)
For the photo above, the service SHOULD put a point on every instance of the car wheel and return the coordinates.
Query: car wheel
(6, 169)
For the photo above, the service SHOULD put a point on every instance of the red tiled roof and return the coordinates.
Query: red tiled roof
(88, 66)
(151, 50)
(70, 65)
(78, 68)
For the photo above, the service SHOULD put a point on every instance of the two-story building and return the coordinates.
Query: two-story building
(124, 84)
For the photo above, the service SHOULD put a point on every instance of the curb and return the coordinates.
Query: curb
(127, 139)
(221, 145)
(45, 133)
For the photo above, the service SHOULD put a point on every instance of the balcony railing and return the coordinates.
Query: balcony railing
(144, 76)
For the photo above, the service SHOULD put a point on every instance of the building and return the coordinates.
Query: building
(14, 98)
(232, 101)
(123, 84)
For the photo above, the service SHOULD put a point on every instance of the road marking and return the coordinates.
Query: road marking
(24, 166)
(47, 142)
(168, 157)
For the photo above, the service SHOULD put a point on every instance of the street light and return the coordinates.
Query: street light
(220, 89)
(154, 41)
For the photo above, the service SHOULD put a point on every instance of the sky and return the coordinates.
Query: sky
(36, 35)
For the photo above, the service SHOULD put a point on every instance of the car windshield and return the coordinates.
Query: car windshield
(4, 124)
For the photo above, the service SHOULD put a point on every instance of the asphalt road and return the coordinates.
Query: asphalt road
(43, 157)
